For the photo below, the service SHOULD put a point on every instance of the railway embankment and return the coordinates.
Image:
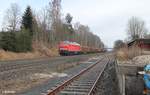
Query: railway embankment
(109, 83)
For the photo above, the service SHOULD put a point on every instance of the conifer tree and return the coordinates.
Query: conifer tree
(27, 20)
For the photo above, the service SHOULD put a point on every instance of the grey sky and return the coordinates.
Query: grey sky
(106, 18)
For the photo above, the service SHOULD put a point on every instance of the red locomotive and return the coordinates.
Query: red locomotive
(73, 48)
(67, 48)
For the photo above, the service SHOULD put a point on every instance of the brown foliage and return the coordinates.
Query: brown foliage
(128, 53)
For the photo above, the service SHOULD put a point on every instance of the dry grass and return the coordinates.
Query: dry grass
(122, 54)
(6, 55)
(62, 67)
(45, 49)
(39, 50)
(125, 54)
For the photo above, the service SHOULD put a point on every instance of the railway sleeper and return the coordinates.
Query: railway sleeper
(77, 89)
(86, 87)
(72, 93)
(85, 82)
(82, 84)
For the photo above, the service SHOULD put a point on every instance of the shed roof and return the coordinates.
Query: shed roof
(145, 41)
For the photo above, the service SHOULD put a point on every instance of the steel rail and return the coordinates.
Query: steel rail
(69, 81)
(92, 91)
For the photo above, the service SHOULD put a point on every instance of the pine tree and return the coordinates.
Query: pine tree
(8, 41)
(27, 20)
(23, 41)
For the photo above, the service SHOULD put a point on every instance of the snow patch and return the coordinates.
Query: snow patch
(44, 75)
(142, 59)
(8, 92)
(59, 74)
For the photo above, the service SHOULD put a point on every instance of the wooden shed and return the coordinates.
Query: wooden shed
(143, 44)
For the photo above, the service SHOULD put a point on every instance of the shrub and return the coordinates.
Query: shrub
(128, 53)
(23, 41)
(8, 41)
(20, 41)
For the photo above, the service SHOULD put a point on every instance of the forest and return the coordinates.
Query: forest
(47, 27)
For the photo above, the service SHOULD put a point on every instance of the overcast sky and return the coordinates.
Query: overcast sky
(106, 18)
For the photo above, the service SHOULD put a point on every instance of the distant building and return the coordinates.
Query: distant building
(143, 44)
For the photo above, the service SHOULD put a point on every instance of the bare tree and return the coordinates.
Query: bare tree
(56, 20)
(12, 18)
(86, 38)
(136, 28)
(50, 25)
(44, 20)
(36, 28)
(56, 13)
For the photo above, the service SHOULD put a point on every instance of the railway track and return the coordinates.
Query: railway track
(22, 70)
(83, 83)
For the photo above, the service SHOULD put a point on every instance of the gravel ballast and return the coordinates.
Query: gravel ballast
(108, 83)
(17, 80)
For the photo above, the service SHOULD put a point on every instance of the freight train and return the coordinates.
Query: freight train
(73, 48)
